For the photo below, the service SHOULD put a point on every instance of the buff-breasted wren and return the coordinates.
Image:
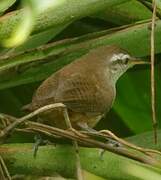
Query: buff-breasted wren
(86, 86)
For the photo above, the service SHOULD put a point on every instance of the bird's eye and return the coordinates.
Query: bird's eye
(126, 60)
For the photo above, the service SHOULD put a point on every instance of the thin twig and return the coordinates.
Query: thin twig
(75, 144)
(150, 7)
(19, 121)
(108, 134)
(130, 145)
(4, 169)
(58, 105)
(38, 127)
(2, 176)
(76, 136)
(153, 72)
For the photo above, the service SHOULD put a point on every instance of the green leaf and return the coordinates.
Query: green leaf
(51, 159)
(67, 12)
(70, 49)
(31, 10)
(128, 12)
(5, 4)
(40, 38)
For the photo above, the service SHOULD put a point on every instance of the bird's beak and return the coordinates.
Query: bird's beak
(135, 61)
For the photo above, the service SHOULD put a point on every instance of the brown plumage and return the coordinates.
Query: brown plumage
(86, 87)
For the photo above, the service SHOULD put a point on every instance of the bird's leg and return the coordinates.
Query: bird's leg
(4, 173)
(84, 126)
(38, 142)
(115, 141)
(7, 120)
(92, 131)
(75, 144)
(109, 140)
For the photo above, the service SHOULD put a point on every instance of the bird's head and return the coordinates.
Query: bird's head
(120, 61)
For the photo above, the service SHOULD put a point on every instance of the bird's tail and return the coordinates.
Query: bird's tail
(27, 107)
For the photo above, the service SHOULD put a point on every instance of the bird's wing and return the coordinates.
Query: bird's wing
(45, 94)
(81, 94)
(78, 92)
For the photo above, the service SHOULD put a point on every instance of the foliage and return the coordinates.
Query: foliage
(37, 39)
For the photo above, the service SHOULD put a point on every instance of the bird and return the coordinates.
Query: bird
(87, 87)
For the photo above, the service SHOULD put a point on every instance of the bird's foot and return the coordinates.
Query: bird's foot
(113, 143)
(39, 142)
(85, 127)
(110, 142)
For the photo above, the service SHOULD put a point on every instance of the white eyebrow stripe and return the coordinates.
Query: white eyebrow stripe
(119, 56)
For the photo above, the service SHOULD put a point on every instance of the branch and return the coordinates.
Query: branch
(153, 73)
(78, 136)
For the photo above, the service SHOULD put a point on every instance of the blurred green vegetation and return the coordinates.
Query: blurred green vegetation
(38, 38)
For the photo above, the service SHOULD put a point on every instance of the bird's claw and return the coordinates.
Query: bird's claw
(39, 141)
(111, 142)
